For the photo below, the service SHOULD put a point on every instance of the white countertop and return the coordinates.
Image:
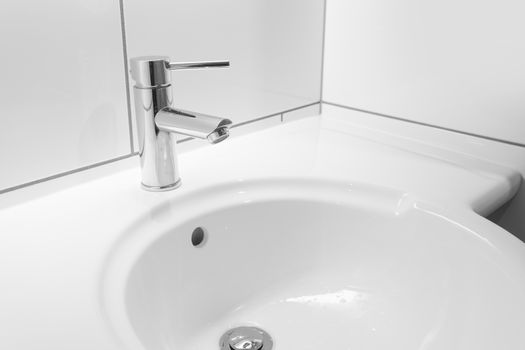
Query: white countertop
(53, 248)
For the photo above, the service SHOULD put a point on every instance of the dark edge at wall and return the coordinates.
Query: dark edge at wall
(276, 114)
(512, 143)
(56, 176)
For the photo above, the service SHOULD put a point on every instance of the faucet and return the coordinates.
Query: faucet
(158, 121)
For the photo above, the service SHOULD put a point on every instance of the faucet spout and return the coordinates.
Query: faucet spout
(198, 125)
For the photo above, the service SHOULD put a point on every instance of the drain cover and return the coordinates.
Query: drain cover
(246, 338)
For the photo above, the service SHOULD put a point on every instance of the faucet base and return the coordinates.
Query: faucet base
(162, 188)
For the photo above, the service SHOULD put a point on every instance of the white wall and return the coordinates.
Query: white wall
(458, 65)
(275, 48)
(455, 64)
(63, 90)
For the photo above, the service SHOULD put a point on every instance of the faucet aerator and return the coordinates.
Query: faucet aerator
(218, 135)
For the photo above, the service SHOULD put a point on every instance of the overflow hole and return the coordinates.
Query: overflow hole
(198, 237)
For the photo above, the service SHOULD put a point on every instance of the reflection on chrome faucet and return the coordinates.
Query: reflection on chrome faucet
(157, 121)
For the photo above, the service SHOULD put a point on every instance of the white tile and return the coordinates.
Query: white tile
(302, 112)
(456, 64)
(63, 89)
(274, 47)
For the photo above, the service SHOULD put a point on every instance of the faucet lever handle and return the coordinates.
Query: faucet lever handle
(197, 65)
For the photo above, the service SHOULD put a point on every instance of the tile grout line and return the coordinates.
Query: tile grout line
(70, 172)
(323, 47)
(512, 143)
(126, 76)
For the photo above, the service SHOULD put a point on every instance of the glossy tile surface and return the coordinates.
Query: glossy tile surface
(274, 46)
(63, 102)
(453, 64)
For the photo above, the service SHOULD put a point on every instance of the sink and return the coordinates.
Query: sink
(318, 264)
(320, 232)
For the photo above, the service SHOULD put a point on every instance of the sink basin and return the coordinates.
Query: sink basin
(321, 232)
(318, 265)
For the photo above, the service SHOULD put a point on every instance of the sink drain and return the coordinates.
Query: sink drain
(246, 338)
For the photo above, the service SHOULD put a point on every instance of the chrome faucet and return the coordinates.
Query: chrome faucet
(157, 121)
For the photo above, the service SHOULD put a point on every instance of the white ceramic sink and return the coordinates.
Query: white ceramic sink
(317, 264)
(325, 233)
